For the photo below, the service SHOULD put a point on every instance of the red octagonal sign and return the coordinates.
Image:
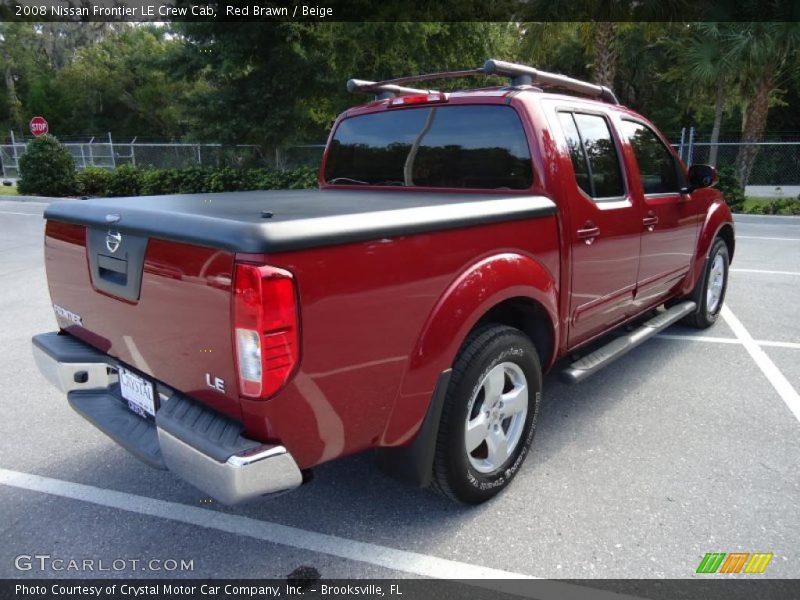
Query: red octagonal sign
(39, 126)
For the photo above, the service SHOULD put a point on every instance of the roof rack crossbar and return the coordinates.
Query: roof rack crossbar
(522, 75)
(382, 89)
(519, 75)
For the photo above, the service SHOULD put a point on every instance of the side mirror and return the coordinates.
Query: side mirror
(702, 176)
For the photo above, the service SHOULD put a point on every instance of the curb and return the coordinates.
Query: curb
(755, 218)
(33, 199)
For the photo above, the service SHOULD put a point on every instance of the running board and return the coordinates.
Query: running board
(594, 361)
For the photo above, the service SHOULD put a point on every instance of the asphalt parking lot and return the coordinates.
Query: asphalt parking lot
(688, 445)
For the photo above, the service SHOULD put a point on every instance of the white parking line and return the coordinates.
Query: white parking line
(374, 554)
(775, 239)
(766, 272)
(8, 212)
(785, 390)
(721, 340)
(390, 558)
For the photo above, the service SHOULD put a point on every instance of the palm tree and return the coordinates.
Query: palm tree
(766, 52)
(604, 52)
(706, 64)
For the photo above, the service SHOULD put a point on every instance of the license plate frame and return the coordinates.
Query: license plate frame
(138, 392)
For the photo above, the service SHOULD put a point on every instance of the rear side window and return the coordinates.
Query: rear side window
(477, 147)
(594, 154)
(658, 168)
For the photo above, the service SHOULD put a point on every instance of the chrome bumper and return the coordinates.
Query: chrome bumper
(91, 388)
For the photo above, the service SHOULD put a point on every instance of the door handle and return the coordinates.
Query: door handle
(588, 232)
(650, 222)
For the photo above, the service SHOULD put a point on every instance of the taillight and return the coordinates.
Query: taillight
(419, 99)
(265, 327)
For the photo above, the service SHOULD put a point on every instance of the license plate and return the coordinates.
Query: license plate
(138, 392)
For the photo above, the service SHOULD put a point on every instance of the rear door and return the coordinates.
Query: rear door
(670, 220)
(604, 226)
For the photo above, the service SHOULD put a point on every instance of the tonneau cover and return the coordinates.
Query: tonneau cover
(274, 221)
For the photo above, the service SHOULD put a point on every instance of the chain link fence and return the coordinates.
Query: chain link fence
(775, 172)
(108, 153)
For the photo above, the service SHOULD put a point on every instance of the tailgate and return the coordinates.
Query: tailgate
(162, 307)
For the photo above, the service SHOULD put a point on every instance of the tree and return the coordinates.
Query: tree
(21, 70)
(46, 168)
(766, 52)
(276, 83)
(707, 67)
(121, 84)
(31, 57)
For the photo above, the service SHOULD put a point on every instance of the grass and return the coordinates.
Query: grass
(6, 190)
(751, 201)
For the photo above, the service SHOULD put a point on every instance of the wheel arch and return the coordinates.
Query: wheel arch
(718, 223)
(726, 233)
(530, 317)
(511, 288)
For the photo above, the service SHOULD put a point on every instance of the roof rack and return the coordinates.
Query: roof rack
(519, 74)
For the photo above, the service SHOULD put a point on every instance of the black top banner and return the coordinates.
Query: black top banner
(399, 10)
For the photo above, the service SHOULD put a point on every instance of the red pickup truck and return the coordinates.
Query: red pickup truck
(460, 245)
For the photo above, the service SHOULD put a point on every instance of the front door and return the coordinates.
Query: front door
(604, 227)
(670, 220)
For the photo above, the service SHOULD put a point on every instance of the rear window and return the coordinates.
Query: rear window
(477, 147)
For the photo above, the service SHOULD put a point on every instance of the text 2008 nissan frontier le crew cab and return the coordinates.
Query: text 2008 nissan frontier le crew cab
(460, 244)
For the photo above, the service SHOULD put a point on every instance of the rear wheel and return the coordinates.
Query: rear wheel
(709, 293)
(489, 415)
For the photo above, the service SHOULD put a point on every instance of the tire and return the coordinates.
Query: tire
(491, 351)
(709, 292)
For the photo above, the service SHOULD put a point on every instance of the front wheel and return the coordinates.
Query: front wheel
(709, 293)
(489, 415)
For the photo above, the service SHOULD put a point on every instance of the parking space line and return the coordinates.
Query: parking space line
(413, 563)
(785, 390)
(8, 212)
(721, 340)
(699, 338)
(766, 272)
(774, 239)
(382, 556)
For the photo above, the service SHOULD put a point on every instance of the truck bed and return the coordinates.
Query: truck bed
(275, 221)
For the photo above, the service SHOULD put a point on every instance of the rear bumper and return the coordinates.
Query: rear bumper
(201, 446)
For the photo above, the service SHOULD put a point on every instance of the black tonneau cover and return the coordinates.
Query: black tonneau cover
(241, 221)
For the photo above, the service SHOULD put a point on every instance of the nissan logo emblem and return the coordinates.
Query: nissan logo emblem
(113, 240)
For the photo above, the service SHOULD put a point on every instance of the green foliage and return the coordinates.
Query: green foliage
(275, 84)
(126, 180)
(46, 168)
(121, 85)
(729, 185)
(278, 83)
(131, 181)
(160, 181)
(779, 206)
(92, 181)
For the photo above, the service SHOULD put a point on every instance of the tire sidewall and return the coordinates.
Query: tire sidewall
(514, 348)
(718, 248)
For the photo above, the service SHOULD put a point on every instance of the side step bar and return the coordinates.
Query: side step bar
(594, 361)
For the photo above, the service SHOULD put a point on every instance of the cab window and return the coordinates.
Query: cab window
(660, 172)
(472, 146)
(594, 154)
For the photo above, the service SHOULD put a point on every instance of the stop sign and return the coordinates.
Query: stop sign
(39, 126)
